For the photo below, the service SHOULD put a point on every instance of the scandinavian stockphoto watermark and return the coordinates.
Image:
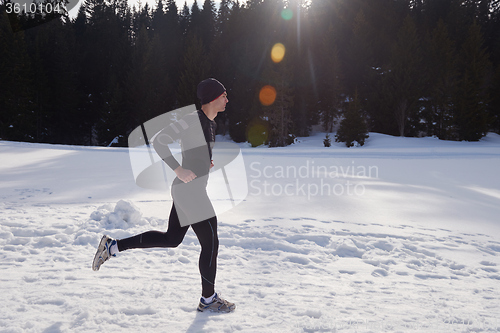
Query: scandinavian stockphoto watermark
(310, 178)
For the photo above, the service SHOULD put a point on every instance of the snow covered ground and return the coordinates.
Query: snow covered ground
(401, 235)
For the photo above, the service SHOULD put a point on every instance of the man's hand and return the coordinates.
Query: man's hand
(184, 174)
(211, 164)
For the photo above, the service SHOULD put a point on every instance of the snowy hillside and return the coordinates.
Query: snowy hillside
(401, 235)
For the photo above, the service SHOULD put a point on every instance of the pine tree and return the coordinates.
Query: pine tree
(161, 93)
(168, 51)
(331, 91)
(80, 23)
(278, 114)
(327, 141)
(239, 68)
(223, 16)
(102, 59)
(158, 19)
(405, 80)
(194, 27)
(321, 12)
(56, 90)
(184, 19)
(137, 85)
(358, 53)
(207, 24)
(17, 119)
(441, 63)
(495, 101)
(221, 58)
(353, 127)
(195, 68)
(307, 81)
(471, 116)
(459, 16)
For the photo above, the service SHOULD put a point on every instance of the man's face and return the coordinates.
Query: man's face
(220, 103)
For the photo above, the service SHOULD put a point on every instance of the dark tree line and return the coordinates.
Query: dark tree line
(413, 67)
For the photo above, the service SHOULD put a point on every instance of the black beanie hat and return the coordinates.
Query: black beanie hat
(209, 90)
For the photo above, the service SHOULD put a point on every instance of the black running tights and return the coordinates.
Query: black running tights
(206, 231)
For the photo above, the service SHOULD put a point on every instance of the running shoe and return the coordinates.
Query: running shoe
(217, 305)
(103, 252)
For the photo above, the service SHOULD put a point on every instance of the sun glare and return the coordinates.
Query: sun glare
(278, 52)
(267, 95)
(287, 14)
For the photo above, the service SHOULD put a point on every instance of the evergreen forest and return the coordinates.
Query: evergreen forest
(402, 67)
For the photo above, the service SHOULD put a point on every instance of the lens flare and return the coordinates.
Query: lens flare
(267, 95)
(278, 52)
(257, 132)
(287, 14)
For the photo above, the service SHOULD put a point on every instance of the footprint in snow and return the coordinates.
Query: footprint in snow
(489, 269)
(487, 263)
(494, 247)
(184, 260)
(456, 267)
(343, 271)
(380, 273)
(431, 276)
(298, 260)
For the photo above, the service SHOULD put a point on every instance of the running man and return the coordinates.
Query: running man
(191, 205)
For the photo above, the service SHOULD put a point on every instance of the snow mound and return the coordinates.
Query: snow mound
(348, 249)
(124, 216)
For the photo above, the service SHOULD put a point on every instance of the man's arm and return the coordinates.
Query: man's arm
(167, 136)
(160, 144)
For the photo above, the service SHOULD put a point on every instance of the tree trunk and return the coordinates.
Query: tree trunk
(401, 115)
